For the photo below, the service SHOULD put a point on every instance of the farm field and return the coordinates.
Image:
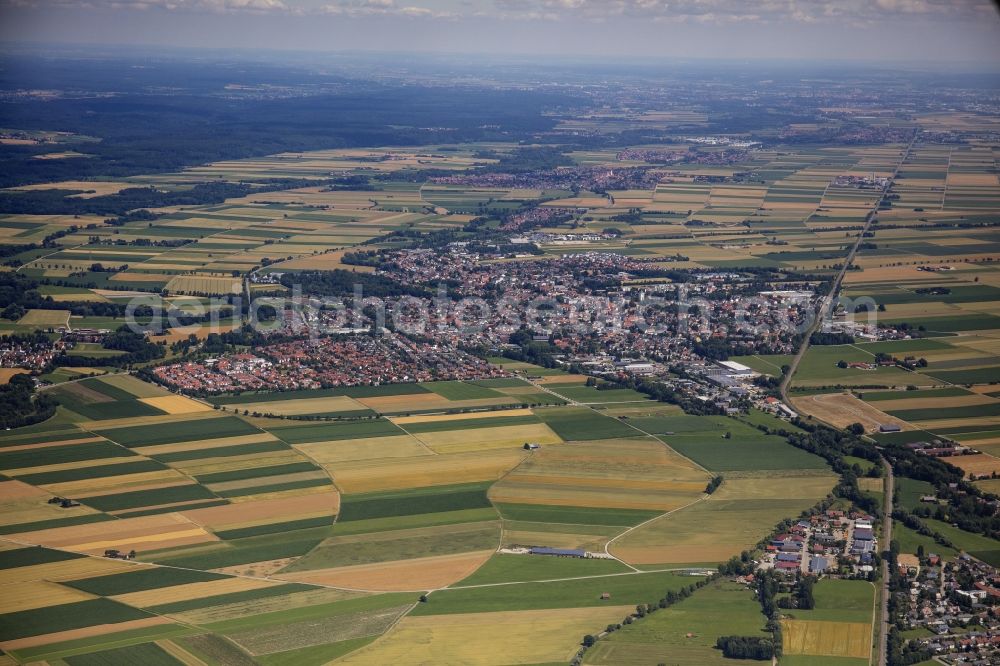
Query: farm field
(839, 626)
(686, 631)
(735, 517)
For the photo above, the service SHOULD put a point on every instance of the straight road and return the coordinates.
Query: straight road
(827, 303)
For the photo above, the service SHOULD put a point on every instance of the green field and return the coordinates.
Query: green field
(141, 498)
(141, 579)
(574, 515)
(581, 423)
(144, 653)
(65, 617)
(303, 434)
(840, 601)
(746, 449)
(179, 431)
(462, 391)
(625, 589)
(51, 455)
(503, 568)
(685, 633)
(410, 502)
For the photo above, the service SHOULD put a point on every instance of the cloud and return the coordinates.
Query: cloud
(704, 12)
(362, 8)
(731, 11)
(212, 6)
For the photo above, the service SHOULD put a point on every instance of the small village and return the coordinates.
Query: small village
(832, 543)
(952, 607)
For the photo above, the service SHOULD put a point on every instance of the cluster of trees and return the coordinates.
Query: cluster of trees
(714, 484)
(20, 406)
(802, 598)
(746, 647)
(821, 338)
(137, 348)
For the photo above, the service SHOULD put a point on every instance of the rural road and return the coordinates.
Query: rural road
(827, 303)
(883, 637)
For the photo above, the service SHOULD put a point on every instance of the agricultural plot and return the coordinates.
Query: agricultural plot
(100, 399)
(685, 632)
(628, 588)
(734, 518)
(541, 637)
(724, 445)
(839, 626)
(637, 473)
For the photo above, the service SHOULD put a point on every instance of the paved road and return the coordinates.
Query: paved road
(883, 637)
(827, 303)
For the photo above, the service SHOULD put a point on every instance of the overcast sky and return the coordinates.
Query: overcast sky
(884, 30)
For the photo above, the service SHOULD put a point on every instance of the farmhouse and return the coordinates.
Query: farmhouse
(888, 427)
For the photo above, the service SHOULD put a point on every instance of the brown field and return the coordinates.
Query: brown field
(165, 481)
(267, 605)
(174, 593)
(65, 570)
(36, 508)
(305, 406)
(143, 533)
(358, 477)
(116, 484)
(423, 401)
(7, 373)
(176, 404)
(132, 276)
(932, 403)
(476, 639)
(265, 480)
(593, 542)
(15, 490)
(86, 632)
(422, 573)
(831, 639)
(973, 179)
(204, 284)
(205, 444)
(224, 463)
(986, 422)
(325, 262)
(99, 188)
(843, 409)
(979, 464)
(281, 494)
(25, 595)
(438, 418)
(44, 318)
(265, 511)
(623, 473)
(366, 448)
(480, 439)
(871, 484)
(562, 379)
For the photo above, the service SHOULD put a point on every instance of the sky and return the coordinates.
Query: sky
(932, 31)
